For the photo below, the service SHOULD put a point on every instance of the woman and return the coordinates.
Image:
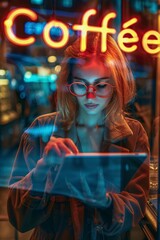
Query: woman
(92, 91)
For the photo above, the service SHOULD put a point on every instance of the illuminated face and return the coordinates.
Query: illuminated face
(91, 73)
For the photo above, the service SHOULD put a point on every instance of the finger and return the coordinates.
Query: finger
(71, 145)
(85, 187)
(52, 155)
(53, 148)
(111, 187)
(52, 138)
(108, 200)
(63, 148)
(101, 188)
(73, 190)
(68, 142)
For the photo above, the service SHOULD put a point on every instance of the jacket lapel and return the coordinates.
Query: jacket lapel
(113, 133)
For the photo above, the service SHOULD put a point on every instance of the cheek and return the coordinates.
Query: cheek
(80, 100)
(108, 99)
(110, 93)
(105, 102)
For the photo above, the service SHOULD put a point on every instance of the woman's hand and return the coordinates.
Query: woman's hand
(98, 197)
(57, 148)
(53, 154)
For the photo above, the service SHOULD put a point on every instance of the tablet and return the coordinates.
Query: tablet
(117, 169)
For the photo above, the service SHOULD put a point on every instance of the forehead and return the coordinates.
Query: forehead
(91, 69)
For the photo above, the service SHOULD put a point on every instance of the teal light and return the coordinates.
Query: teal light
(53, 77)
(67, 3)
(37, 1)
(38, 78)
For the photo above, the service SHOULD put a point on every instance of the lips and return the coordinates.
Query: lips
(91, 106)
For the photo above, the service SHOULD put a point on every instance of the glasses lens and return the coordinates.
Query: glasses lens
(103, 89)
(78, 89)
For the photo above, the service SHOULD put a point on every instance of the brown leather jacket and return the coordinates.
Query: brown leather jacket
(62, 218)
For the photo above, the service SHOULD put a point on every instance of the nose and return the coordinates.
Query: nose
(91, 92)
(91, 95)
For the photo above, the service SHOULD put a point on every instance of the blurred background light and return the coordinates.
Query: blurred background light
(13, 83)
(53, 77)
(22, 95)
(52, 59)
(67, 3)
(28, 75)
(2, 72)
(57, 68)
(4, 82)
(36, 78)
(37, 1)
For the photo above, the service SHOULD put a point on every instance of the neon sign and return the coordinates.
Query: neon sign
(127, 38)
(9, 22)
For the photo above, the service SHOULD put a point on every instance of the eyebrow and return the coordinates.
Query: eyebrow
(96, 80)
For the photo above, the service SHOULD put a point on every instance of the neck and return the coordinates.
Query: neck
(90, 120)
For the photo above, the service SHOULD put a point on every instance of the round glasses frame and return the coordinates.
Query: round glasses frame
(94, 90)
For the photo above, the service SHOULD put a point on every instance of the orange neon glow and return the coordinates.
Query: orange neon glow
(47, 38)
(127, 38)
(122, 40)
(133, 39)
(84, 28)
(146, 42)
(8, 24)
(130, 22)
(106, 30)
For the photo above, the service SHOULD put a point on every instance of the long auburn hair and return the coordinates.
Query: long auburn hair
(124, 91)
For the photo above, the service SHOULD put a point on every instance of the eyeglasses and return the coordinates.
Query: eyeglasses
(80, 89)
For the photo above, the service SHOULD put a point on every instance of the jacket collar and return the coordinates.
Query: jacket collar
(118, 130)
(113, 132)
(60, 132)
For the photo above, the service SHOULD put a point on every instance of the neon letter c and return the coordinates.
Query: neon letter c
(8, 23)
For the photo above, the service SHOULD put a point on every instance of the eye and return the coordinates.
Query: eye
(79, 84)
(101, 85)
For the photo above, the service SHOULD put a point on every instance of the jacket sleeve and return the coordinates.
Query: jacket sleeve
(128, 207)
(27, 210)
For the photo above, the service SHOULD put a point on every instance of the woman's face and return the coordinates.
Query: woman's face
(91, 73)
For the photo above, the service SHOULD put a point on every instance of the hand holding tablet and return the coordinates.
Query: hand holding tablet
(96, 198)
(90, 176)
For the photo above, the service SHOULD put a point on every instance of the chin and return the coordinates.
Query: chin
(93, 112)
